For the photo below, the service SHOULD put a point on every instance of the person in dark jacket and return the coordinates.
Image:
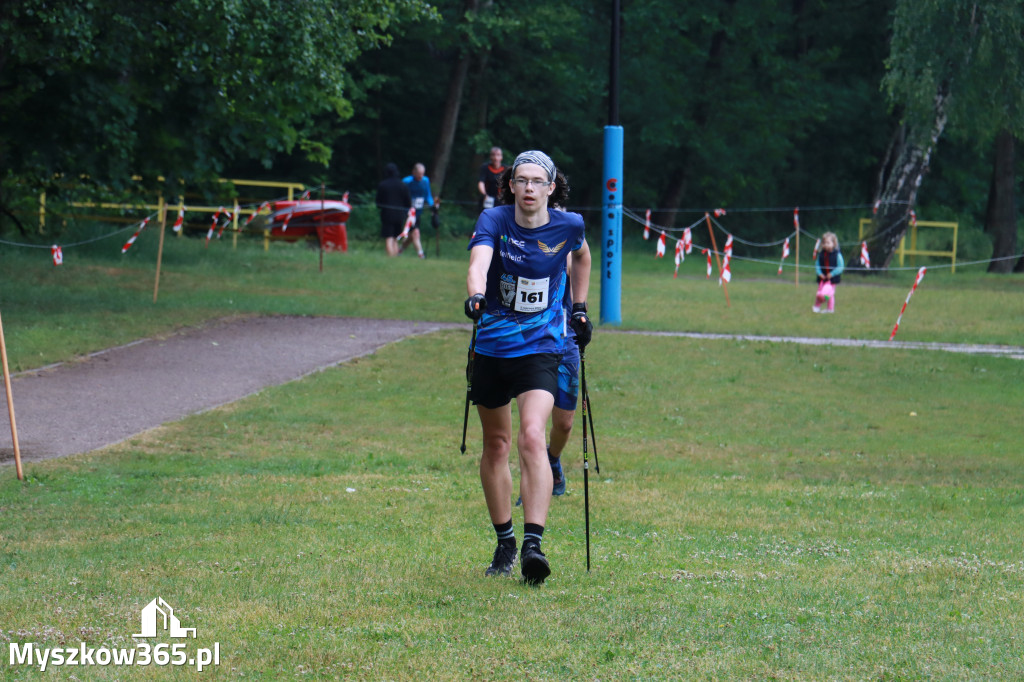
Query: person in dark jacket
(394, 202)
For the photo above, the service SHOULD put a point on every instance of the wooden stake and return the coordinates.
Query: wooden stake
(718, 260)
(10, 405)
(162, 208)
(320, 227)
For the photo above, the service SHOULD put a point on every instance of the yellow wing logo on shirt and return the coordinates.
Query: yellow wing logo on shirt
(550, 250)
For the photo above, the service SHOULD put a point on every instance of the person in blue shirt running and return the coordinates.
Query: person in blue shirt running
(419, 189)
(516, 282)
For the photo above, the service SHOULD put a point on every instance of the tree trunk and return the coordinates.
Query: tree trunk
(450, 121)
(478, 95)
(679, 179)
(452, 107)
(672, 197)
(900, 181)
(1001, 211)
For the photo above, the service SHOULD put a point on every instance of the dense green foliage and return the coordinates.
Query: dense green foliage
(113, 88)
(768, 104)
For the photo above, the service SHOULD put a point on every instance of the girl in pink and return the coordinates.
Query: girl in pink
(829, 266)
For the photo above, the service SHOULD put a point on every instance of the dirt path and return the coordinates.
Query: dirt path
(114, 394)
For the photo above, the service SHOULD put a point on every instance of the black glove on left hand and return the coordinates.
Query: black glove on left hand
(581, 324)
(475, 306)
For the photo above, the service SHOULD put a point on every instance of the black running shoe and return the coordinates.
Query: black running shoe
(504, 560)
(534, 564)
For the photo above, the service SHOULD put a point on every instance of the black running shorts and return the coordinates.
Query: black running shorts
(392, 227)
(497, 380)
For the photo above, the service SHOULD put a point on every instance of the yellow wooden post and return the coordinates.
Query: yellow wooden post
(160, 249)
(956, 228)
(718, 260)
(42, 213)
(234, 227)
(10, 405)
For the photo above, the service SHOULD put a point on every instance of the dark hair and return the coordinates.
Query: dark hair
(557, 199)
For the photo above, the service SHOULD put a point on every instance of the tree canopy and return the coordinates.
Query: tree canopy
(723, 102)
(114, 88)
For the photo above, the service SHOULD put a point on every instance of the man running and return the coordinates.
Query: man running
(516, 283)
(419, 189)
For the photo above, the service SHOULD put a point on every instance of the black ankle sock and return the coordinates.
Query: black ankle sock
(552, 459)
(506, 534)
(532, 532)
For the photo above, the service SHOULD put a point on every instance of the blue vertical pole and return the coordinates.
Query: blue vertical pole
(611, 228)
(611, 204)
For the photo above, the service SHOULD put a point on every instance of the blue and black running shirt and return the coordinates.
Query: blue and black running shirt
(526, 282)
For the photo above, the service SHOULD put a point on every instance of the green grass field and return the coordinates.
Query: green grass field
(763, 510)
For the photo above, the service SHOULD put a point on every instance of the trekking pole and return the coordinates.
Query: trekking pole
(589, 413)
(586, 463)
(469, 386)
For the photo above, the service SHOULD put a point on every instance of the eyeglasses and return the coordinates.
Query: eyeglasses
(536, 182)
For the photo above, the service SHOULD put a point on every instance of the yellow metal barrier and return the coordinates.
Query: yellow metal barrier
(290, 187)
(913, 251)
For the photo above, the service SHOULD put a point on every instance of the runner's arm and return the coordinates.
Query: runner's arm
(580, 273)
(479, 263)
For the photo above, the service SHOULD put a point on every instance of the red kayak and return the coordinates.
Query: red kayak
(325, 220)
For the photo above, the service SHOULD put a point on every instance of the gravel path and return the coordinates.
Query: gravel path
(1015, 352)
(114, 394)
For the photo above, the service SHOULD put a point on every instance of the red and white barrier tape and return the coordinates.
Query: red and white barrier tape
(917, 280)
(410, 220)
(785, 253)
(726, 270)
(131, 240)
(213, 225)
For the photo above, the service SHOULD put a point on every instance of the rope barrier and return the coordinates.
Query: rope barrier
(668, 232)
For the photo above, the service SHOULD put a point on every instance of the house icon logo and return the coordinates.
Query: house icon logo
(158, 611)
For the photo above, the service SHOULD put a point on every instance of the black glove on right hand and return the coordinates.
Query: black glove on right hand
(581, 324)
(475, 306)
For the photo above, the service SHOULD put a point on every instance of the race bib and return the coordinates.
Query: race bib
(531, 295)
(488, 202)
(417, 203)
